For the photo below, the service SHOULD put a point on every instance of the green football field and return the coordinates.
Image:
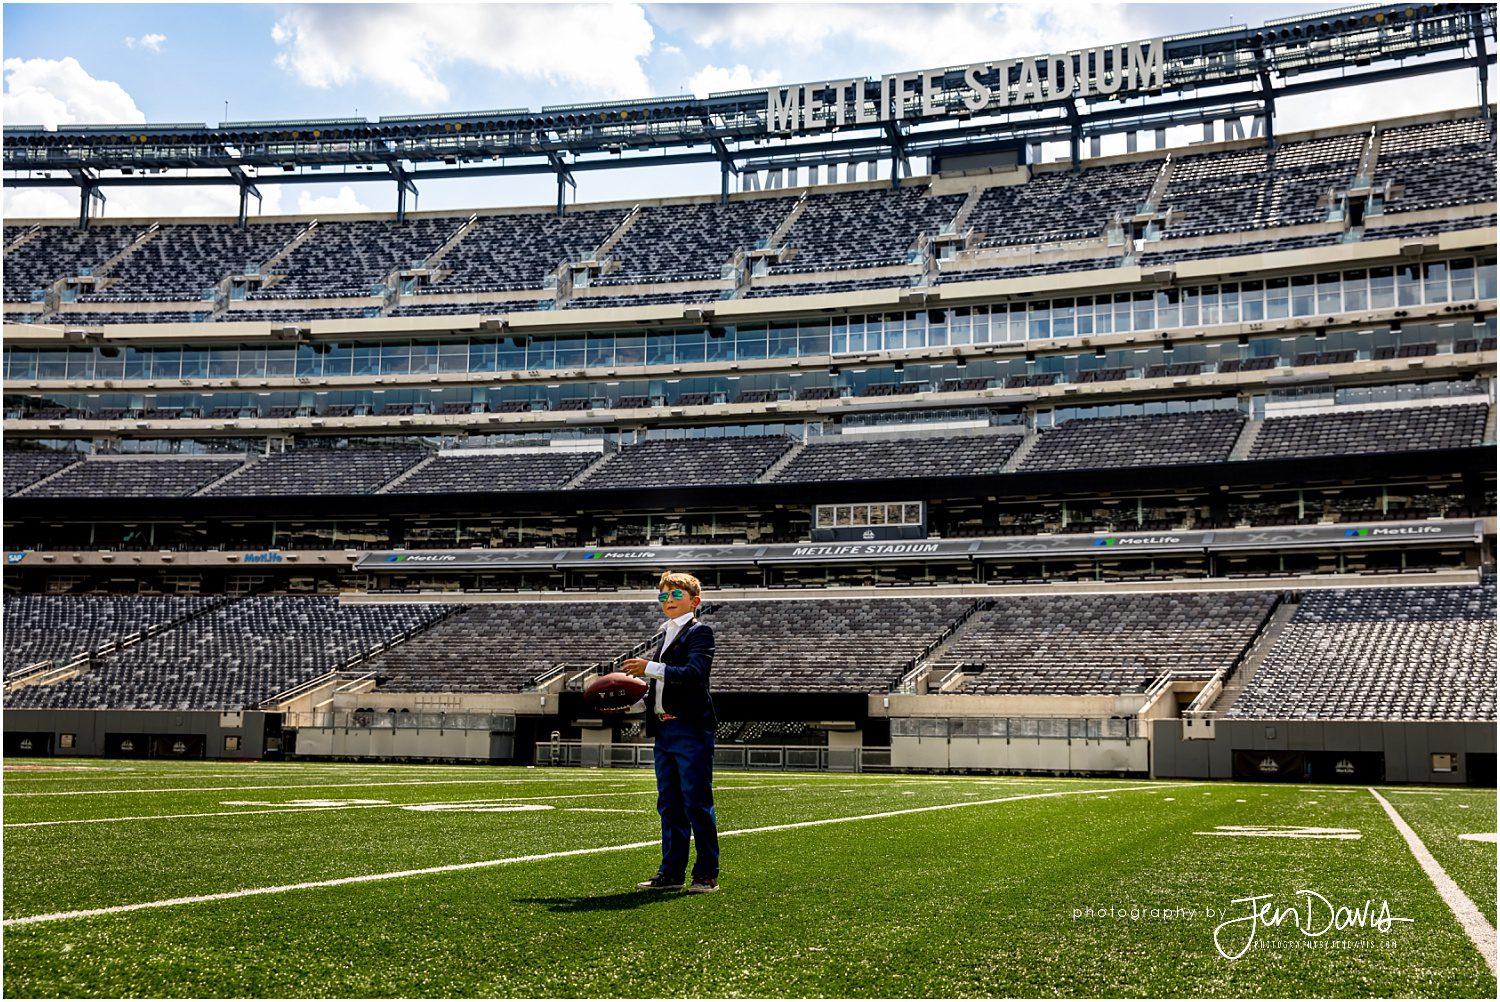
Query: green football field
(306, 879)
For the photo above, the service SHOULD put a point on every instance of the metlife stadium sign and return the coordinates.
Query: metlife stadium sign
(1008, 547)
(1108, 70)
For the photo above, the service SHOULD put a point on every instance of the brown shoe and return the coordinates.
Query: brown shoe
(703, 885)
(660, 882)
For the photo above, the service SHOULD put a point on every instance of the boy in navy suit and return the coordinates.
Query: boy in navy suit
(680, 714)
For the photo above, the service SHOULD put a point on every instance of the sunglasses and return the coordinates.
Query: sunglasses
(675, 594)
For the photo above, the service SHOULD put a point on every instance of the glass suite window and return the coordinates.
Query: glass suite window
(1356, 291)
(1408, 285)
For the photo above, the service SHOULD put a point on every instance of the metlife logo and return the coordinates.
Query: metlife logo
(1404, 530)
(1136, 540)
(420, 558)
(622, 555)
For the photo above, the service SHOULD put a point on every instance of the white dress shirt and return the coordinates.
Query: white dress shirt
(658, 670)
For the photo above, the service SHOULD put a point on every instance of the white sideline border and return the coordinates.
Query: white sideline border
(1473, 921)
(485, 864)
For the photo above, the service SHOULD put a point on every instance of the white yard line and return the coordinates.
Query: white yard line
(485, 864)
(1474, 924)
(205, 814)
(298, 786)
(607, 810)
(356, 807)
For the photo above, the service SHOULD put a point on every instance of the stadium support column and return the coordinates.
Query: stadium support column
(1075, 136)
(404, 183)
(726, 167)
(1269, 98)
(1481, 63)
(247, 188)
(564, 181)
(898, 153)
(88, 186)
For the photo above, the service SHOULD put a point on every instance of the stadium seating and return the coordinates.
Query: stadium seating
(89, 318)
(296, 314)
(1224, 192)
(643, 299)
(1438, 164)
(948, 273)
(528, 471)
(24, 467)
(62, 251)
(890, 223)
(47, 627)
(109, 477)
(681, 243)
(233, 657)
(1432, 165)
(1381, 654)
(182, 260)
(1058, 205)
(851, 458)
(1453, 426)
(852, 645)
(1101, 443)
(348, 258)
(825, 288)
(408, 308)
(502, 647)
(689, 462)
(519, 251)
(319, 471)
(1097, 644)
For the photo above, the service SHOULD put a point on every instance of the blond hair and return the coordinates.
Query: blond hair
(677, 579)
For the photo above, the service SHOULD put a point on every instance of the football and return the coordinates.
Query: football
(616, 691)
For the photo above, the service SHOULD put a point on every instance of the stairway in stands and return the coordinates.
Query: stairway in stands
(1028, 442)
(589, 470)
(782, 463)
(406, 475)
(1246, 441)
(48, 478)
(1260, 647)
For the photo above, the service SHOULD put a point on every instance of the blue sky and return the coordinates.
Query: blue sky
(75, 63)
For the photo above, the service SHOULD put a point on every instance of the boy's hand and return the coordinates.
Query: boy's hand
(634, 666)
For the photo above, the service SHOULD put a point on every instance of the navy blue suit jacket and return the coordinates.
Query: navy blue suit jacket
(688, 662)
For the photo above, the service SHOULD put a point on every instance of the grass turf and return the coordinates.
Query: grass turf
(1074, 893)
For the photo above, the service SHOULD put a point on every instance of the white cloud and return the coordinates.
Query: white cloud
(916, 35)
(344, 201)
(597, 48)
(1381, 101)
(166, 202)
(53, 92)
(39, 203)
(151, 43)
(713, 79)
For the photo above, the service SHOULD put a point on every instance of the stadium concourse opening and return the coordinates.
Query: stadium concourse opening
(1172, 463)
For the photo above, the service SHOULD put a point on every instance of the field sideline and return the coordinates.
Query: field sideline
(137, 879)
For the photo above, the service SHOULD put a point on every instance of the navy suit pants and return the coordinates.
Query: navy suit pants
(684, 757)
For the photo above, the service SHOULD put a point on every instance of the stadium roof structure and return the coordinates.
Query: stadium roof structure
(1129, 87)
